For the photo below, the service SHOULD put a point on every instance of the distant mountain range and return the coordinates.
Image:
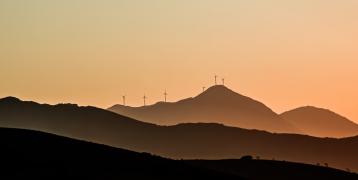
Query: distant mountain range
(34, 155)
(218, 104)
(187, 141)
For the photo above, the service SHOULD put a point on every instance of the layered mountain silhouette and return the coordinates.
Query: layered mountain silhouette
(34, 155)
(217, 104)
(187, 141)
(320, 122)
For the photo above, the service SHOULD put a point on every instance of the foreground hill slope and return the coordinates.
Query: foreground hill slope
(217, 104)
(271, 169)
(320, 122)
(187, 141)
(28, 154)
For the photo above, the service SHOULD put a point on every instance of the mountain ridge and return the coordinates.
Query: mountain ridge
(217, 104)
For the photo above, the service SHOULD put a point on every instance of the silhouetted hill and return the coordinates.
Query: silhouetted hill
(187, 141)
(88, 123)
(33, 155)
(320, 122)
(217, 104)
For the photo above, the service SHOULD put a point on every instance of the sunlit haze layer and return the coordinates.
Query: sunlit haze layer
(283, 53)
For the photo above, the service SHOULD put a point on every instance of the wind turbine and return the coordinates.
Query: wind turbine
(165, 96)
(144, 98)
(124, 100)
(223, 80)
(215, 79)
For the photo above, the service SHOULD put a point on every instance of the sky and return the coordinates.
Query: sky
(283, 53)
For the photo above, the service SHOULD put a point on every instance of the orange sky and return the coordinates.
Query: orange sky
(283, 53)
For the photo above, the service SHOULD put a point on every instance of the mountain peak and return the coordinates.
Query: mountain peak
(311, 108)
(10, 99)
(217, 90)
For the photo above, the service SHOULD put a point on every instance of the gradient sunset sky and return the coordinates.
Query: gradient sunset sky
(284, 53)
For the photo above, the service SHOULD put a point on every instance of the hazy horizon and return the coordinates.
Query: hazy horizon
(285, 54)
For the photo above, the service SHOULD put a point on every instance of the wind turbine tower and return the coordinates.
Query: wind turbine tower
(165, 96)
(124, 100)
(144, 98)
(216, 79)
